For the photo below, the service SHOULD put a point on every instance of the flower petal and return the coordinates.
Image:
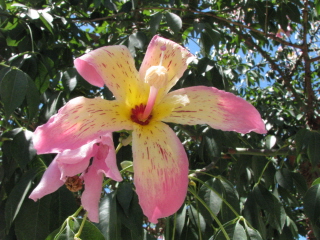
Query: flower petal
(111, 65)
(160, 170)
(106, 158)
(80, 121)
(91, 195)
(49, 182)
(219, 109)
(175, 60)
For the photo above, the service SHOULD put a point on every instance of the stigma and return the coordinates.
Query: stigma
(157, 76)
(137, 115)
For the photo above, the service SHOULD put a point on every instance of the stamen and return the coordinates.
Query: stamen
(156, 77)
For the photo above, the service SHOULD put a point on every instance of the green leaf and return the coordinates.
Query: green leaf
(13, 89)
(300, 183)
(267, 201)
(284, 178)
(313, 149)
(209, 193)
(137, 39)
(301, 139)
(215, 37)
(234, 231)
(154, 23)
(293, 12)
(133, 220)
(33, 99)
(270, 141)
(317, 6)
(47, 19)
(174, 22)
(32, 221)
(22, 148)
(312, 207)
(69, 79)
(109, 222)
(252, 234)
(124, 196)
(17, 196)
(89, 231)
(252, 214)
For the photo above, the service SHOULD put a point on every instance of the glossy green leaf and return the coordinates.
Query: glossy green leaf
(109, 222)
(47, 19)
(235, 231)
(313, 149)
(312, 207)
(133, 220)
(13, 89)
(33, 99)
(32, 221)
(267, 201)
(124, 196)
(69, 79)
(89, 231)
(22, 148)
(284, 178)
(209, 192)
(300, 183)
(17, 196)
(174, 22)
(270, 141)
(293, 12)
(154, 23)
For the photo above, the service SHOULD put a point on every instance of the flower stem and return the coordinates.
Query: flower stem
(77, 235)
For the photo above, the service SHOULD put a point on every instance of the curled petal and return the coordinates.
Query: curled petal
(91, 195)
(108, 162)
(219, 109)
(111, 65)
(160, 170)
(49, 182)
(79, 122)
(175, 60)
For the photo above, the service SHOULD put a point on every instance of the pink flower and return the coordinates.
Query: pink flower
(69, 163)
(143, 103)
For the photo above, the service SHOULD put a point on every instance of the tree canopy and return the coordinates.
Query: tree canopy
(241, 186)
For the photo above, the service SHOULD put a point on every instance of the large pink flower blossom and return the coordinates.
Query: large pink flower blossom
(72, 162)
(143, 103)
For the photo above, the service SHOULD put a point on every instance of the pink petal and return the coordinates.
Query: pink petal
(107, 163)
(219, 109)
(79, 122)
(160, 170)
(111, 65)
(91, 195)
(49, 182)
(176, 59)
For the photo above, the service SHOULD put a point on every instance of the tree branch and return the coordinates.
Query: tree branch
(262, 152)
(268, 35)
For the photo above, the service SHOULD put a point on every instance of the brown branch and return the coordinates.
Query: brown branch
(307, 78)
(314, 59)
(262, 152)
(268, 35)
(286, 78)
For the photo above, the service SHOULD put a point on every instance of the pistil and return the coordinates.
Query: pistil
(156, 77)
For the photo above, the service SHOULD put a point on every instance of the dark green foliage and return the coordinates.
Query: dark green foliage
(242, 186)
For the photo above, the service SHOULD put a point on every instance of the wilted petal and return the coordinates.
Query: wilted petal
(80, 121)
(175, 60)
(219, 109)
(91, 195)
(160, 170)
(111, 65)
(49, 182)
